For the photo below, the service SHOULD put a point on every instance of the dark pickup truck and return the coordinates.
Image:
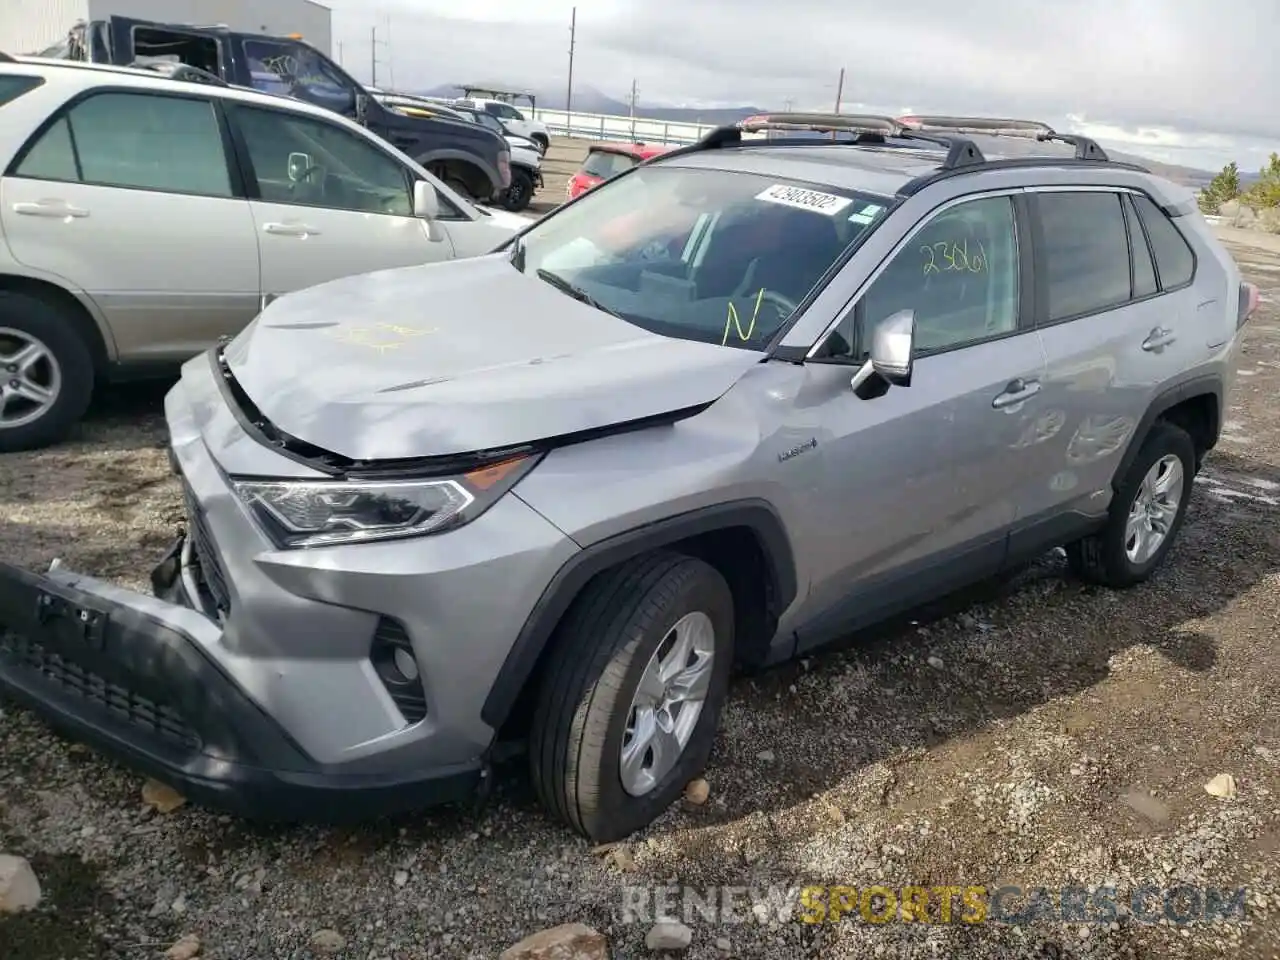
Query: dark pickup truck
(469, 158)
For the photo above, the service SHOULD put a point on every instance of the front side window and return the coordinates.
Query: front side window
(959, 275)
(1086, 252)
(698, 254)
(1175, 263)
(297, 70)
(143, 141)
(300, 160)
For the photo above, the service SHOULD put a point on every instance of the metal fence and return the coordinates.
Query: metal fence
(596, 126)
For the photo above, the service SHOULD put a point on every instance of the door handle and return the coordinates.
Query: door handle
(291, 229)
(53, 209)
(1016, 391)
(1157, 338)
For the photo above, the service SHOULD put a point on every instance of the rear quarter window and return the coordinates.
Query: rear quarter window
(602, 163)
(1175, 263)
(12, 87)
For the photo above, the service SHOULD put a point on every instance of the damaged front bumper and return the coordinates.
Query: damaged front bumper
(125, 673)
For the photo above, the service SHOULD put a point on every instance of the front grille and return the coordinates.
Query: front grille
(407, 693)
(208, 568)
(157, 719)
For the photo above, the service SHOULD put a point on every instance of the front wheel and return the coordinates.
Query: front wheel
(630, 701)
(1146, 512)
(519, 195)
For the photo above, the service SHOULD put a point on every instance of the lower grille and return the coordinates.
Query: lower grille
(209, 571)
(405, 690)
(157, 719)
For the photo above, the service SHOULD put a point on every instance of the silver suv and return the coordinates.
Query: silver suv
(733, 404)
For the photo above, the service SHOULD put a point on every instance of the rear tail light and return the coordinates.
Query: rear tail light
(504, 168)
(1250, 297)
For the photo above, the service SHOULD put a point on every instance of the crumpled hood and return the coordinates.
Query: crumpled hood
(458, 357)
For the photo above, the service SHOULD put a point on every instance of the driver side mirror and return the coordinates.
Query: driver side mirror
(426, 206)
(892, 346)
(362, 108)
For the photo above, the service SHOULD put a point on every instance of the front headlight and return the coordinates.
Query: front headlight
(313, 513)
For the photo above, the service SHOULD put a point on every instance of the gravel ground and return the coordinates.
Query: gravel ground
(1040, 733)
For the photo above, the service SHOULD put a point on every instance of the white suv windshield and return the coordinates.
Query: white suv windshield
(723, 257)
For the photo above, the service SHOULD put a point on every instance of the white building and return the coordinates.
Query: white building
(28, 26)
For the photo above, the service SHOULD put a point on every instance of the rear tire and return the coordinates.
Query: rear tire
(66, 372)
(1115, 556)
(626, 621)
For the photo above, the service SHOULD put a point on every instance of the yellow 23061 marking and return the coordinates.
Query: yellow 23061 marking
(370, 336)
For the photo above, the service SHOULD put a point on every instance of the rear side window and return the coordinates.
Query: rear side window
(13, 87)
(1144, 268)
(602, 163)
(1086, 251)
(1175, 263)
(143, 141)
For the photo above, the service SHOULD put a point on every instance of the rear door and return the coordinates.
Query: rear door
(1100, 315)
(129, 196)
(327, 202)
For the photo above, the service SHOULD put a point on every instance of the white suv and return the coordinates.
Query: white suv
(142, 218)
(511, 118)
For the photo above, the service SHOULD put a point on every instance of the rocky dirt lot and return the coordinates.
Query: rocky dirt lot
(1041, 733)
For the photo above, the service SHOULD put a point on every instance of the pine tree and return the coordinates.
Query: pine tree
(1223, 187)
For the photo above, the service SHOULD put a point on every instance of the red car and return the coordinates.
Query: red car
(605, 160)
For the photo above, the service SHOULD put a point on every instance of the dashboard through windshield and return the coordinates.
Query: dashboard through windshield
(718, 256)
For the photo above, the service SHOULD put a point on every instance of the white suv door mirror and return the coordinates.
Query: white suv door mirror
(426, 206)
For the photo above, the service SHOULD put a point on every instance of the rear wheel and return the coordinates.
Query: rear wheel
(1146, 512)
(630, 701)
(519, 195)
(46, 372)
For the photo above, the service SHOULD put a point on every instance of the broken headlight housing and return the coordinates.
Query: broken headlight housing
(317, 513)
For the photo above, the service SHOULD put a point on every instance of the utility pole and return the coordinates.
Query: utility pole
(635, 91)
(340, 63)
(839, 96)
(568, 97)
(374, 43)
(391, 60)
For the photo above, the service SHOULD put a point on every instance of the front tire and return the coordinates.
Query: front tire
(518, 196)
(631, 698)
(46, 372)
(1146, 512)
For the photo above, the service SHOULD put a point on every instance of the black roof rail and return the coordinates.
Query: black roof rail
(865, 128)
(1086, 149)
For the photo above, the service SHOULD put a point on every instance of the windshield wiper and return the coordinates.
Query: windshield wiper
(567, 288)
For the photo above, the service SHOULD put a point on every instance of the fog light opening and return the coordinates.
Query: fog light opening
(405, 664)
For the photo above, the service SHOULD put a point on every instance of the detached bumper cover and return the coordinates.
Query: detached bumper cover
(107, 672)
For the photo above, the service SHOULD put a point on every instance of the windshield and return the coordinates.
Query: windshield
(723, 257)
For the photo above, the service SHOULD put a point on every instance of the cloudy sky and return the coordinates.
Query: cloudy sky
(1183, 81)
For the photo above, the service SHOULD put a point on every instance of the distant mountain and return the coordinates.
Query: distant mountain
(590, 100)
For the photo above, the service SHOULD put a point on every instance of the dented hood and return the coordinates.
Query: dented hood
(461, 356)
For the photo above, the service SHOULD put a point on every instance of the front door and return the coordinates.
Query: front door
(922, 484)
(328, 202)
(128, 197)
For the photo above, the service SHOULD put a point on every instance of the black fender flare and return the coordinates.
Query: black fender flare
(480, 163)
(756, 515)
(1207, 384)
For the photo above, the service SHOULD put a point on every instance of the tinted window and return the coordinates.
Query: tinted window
(604, 164)
(1144, 270)
(297, 70)
(13, 87)
(1175, 262)
(959, 275)
(304, 161)
(135, 140)
(1086, 252)
(717, 256)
